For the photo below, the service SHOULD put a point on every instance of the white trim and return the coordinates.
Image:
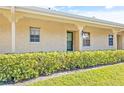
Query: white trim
(115, 40)
(13, 28)
(80, 38)
(32, 43)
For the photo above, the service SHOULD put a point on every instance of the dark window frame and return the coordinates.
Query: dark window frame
(34, 38)
(86, 41)
(71, 41)
(110, 40)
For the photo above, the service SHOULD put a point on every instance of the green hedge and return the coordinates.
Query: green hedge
(18, 67)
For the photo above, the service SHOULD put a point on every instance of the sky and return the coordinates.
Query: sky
(110, 13)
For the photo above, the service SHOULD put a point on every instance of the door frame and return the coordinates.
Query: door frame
(72, 40)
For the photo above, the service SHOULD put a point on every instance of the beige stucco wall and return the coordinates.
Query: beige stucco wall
(53, 35)
(5, 35)
(98, 38)
(122, 39)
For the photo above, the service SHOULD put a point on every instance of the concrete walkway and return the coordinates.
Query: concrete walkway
(57, 75)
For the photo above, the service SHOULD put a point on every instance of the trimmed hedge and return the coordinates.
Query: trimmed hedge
(18, 67)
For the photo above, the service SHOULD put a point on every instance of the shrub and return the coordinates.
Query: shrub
(18, 67)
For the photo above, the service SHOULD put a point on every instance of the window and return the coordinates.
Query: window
(110, 40)
(86, 39)
(34, 34)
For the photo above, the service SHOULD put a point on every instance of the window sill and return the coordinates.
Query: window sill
(86, 46)
(111, 46)
(34, 42)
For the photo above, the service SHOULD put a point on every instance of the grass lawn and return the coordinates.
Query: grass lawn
(107, 76)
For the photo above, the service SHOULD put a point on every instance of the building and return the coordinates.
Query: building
(33, 29)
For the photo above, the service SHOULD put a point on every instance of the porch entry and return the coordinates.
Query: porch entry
(119, 41)
(69, 41)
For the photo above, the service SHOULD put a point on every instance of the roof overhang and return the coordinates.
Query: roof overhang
(67, 16)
